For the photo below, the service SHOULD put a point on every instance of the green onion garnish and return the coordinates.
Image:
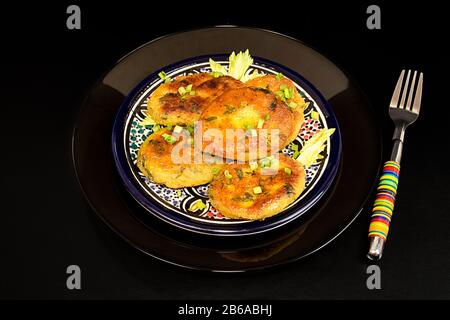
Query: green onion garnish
(260, 123)
(257, 190)
(215, 170)
(266, 162)
(197, 205)
(227, 174)
(181, 91)
(288, 171)
(178, 129)
(169, 139)
(164, 77)
(292, 104)
(287, 93)
(279, 76)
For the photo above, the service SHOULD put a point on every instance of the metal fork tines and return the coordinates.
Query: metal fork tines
(404, 107)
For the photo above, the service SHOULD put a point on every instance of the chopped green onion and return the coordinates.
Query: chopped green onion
(283, 87)
(192, 92)
(215, 170)
(217, 74)
(156, 127)
(267, 117)
(287, 93)
(279, 76)
(169, 127)
(257, 190)
(292, 104)
(253, 165)
(288, 171)
(281, 95)
(266, 162)
(314, 115)
(190, 128)
(181, 91)
(227, 174)
(294, 147)
(197, 205)
(296, 154)
(169, 139)
(189, 87)
(179, 193)
(201, 205)
(177, 129)
(164, 77)
(260, 123)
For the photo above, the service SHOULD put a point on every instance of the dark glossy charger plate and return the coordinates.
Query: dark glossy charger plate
(93, 160)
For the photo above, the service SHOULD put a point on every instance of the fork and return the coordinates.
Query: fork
(403, 110)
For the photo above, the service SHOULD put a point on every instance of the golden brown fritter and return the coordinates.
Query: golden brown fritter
(250, 110)
(239, 191)
(278, 84)
(156, 162)
(215, 87)
(168, 106)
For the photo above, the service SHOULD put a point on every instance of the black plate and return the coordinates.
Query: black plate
(94, 165)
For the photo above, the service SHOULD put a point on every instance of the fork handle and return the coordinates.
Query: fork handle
(383, 209)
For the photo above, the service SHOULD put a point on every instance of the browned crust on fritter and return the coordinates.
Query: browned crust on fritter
(155, 162)
(235, 198)
(270, 82)
(166, 106)
(242, 109)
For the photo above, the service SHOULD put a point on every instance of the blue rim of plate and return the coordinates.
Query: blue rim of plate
(292, 212)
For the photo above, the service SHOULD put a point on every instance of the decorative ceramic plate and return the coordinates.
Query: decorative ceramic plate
(173, 205)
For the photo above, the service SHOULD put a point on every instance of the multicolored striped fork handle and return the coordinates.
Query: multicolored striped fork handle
(383, 209)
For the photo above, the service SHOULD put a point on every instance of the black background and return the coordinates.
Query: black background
(46, 225)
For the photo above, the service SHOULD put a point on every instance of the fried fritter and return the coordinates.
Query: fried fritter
(239, 191)
(279, 85)
(215, 87)
(247, 111)
(172, 163)
(168, 106)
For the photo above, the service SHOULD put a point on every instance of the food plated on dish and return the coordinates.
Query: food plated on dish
(222, 130)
